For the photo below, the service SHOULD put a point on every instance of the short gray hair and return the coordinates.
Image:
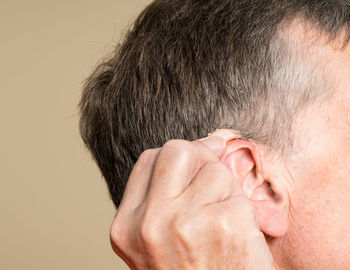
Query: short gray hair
(188, 67)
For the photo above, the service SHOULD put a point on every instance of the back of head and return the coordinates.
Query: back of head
(188, 67)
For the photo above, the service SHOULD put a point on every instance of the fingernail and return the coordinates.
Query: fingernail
(215, 143)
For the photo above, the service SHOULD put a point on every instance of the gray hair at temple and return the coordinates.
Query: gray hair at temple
(188, 67)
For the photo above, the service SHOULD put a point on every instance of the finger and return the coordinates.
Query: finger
(225, 134)
(214, 143)
(140, 177)
(213, 183)
(239, 208)
(238, 218)
(177, 163)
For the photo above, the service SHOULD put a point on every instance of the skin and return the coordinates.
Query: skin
(320, 208)
(174, 216)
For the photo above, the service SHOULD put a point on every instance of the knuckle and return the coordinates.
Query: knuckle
(176, 143)
(149, 233)
(183, 229)
(180, 148)
(221, 223)
(147, 155)
(223, 175)
(118, 234)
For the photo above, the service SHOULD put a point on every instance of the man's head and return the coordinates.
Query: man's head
(189, 67)
(276, 71)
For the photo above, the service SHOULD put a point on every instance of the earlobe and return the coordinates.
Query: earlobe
(272, 218)
(266, 193)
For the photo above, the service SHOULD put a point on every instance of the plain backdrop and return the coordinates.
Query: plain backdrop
(54, 205)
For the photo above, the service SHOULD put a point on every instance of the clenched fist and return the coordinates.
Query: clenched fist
(183, 208)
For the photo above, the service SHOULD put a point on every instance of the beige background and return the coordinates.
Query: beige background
(54, 207)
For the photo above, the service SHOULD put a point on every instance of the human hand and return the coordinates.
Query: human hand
(183, 209)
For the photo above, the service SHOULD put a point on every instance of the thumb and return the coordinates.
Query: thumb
(217, 140)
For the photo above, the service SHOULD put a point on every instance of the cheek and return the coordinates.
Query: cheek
(320, 221)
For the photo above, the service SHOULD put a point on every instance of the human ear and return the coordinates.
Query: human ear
(267, 193)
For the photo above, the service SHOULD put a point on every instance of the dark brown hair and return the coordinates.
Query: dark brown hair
(188, 67)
